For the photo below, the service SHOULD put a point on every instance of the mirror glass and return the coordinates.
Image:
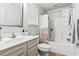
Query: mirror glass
(11, 14)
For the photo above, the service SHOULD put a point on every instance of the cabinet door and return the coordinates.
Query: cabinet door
(15, 51)
(33, 51)
(32, 43)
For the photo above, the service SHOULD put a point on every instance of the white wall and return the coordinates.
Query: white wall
(7, 31)
(41, 10)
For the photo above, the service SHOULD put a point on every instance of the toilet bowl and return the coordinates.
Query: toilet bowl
(43, 49)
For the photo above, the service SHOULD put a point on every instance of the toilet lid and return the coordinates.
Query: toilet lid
(44, 45)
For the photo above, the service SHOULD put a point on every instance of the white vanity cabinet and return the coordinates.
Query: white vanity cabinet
(33, 47)
(18, 50)
(25, 48)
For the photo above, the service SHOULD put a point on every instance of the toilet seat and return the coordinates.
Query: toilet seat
(44, 47)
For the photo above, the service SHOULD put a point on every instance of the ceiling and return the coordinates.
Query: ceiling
(52, 6)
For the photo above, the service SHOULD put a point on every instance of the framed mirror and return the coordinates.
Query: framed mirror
(11, 14)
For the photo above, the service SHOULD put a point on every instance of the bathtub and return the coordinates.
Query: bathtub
(63, 48)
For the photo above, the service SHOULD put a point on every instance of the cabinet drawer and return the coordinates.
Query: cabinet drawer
(16, 52)
(13, 50)
(32, 43)
(22, 54)
(33, 51)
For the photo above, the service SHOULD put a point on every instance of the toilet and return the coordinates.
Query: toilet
(43, 49)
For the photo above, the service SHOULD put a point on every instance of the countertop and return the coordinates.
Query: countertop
(16, 41)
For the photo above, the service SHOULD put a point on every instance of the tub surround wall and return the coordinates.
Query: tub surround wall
(62, 28)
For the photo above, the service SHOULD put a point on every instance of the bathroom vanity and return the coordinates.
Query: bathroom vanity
(26, 46)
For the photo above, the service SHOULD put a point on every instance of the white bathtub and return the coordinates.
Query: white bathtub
(63, 48)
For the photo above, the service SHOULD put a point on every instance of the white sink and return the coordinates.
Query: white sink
(10, 40)
(5, 39)
(18, 38)
(22, 36)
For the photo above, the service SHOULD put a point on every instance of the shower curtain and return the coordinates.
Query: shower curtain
(44, 35)
(44, 29)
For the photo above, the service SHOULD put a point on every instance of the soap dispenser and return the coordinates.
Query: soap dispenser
(23, 32)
